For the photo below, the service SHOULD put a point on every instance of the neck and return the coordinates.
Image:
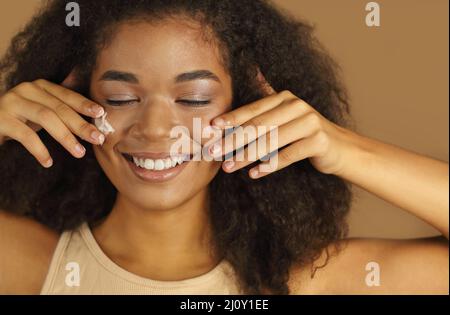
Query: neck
(170, 244)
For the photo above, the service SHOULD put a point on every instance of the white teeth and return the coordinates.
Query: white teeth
(168, 163)
(149, 164)
(159, 164)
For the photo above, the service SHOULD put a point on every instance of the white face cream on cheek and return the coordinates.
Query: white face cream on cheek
(103, 125)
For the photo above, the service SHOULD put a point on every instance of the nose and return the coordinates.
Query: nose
(154, 121)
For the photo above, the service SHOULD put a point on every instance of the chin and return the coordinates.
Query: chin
(157, 201)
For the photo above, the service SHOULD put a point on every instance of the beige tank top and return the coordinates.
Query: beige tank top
(79, 266)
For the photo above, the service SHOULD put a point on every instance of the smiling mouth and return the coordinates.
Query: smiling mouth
(159, 164)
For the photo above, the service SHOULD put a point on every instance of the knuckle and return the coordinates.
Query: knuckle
(313, 119)
(297, 107)
(25, 86)
(253, 108)
(26, 136)
(299, 103)
(286, 93)
(68, 138)
(287, 154)
(322, 139)
(86, 128)
(61, 108)
(256, 121)
(67, 96)
(40, 81)
(9, 97)
(44, 114)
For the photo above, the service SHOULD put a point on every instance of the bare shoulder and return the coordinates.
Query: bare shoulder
(27, 248)
(377, 266)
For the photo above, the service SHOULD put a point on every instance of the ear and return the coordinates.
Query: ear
(71, 81)
(265, 86)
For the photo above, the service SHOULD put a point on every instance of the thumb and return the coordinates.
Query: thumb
(265, 86)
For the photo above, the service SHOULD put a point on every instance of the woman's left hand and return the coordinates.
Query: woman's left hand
(303, 130)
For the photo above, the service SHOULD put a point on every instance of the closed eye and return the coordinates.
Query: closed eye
(194, 103)
(187, 102)
(120, 102)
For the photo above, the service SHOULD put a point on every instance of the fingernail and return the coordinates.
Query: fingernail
(101, 139)
(219, 122)
(98, 111)
(211, 129)
(97, 136)
(229, 165)
(79, 149)
(208, 129)
(254, 173)
(215, 149)
(48, 163)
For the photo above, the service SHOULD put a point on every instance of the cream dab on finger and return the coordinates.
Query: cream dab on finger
(103, 125)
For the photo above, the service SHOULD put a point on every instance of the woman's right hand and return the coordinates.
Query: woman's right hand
(31, 106)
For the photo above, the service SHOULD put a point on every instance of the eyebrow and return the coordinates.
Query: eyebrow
(196, 75)
(113, 75)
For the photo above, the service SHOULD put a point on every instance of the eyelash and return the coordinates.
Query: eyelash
(118, 103)
(191, 103)
(195, 103)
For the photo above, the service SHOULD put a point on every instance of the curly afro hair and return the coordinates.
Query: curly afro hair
(262, 227)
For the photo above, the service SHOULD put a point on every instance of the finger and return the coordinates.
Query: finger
(242, 114)
(20, 132)
(288, 133)
(295, 152)
(286, 112)
(184, 144)
(77, 101)
(210, 135)
(255, 151)
(71, 118)
(50, 121)
(264, 84)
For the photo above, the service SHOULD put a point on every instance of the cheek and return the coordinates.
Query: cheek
(112, 126)
(199, 121)
(111, 122)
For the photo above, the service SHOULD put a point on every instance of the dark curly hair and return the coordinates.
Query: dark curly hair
(262, 227)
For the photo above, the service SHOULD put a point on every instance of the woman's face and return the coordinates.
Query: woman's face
(148, 80)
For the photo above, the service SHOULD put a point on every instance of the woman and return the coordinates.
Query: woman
(104, 213)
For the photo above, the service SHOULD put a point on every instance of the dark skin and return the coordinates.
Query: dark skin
(162, 232)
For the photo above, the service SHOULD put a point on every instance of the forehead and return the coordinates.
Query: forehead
(165, 48)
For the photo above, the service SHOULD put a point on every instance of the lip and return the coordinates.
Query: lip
(152, 176)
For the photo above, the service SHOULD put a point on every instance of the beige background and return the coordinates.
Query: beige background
(397, 76)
